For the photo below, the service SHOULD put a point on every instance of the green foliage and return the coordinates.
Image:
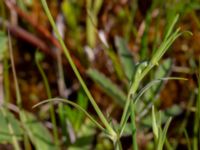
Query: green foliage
(70, 13)
(93, 8)
(85, 136)
(82, 101)
(74, 105)
(125, 57)
(3, 44)
(143, 69)
(108, 86)
(74, 68)
(38, 58)
(159, 133)
(75, 116)
(38, 133)
(9, 127)
(153, 88)
(79, 126)
(172, 111)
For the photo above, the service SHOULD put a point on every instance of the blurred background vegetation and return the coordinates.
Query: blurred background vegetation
(106, 39)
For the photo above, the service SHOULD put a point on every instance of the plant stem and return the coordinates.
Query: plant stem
(118, 145)
(134, 138)
(52, 110)
(132, 91)
(196, 130)
(18, 94)
(68, 56)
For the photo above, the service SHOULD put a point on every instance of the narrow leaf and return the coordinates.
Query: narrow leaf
(108, 86)
(154, 124)
(125, 57)
(164, 133)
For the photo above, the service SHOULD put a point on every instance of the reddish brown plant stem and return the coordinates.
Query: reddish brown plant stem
(33, 39)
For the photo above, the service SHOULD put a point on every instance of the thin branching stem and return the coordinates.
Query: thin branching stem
(52, 110)
(69, 58)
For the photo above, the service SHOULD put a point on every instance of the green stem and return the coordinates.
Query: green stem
(131, 27)
(18, 94)
(52, 111)
(132, 91)
(134, 138)
(68, 56)
(124, 115)
(118, 145)
(196, 130)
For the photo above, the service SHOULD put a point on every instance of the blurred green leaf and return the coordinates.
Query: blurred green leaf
(162, 71)
(138, 72)
(104, 144)
(38, 133)
(3, 44)
(69, 12)
(125, 57)
(172, 111)
(85, 136)
(108, 86)
(39, 56)
(164, 134)
(69, 113)
(159, 133)
(5, 120)
(75, 116)
(97, 6)
(116, 64)
(83, 142)
(154, 123)
(170, 27)
(82, 101)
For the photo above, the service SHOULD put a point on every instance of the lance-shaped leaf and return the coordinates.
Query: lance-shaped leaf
(108, 86)
(125, 57)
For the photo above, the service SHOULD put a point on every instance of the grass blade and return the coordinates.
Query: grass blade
(154, 124)
(164, 133)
